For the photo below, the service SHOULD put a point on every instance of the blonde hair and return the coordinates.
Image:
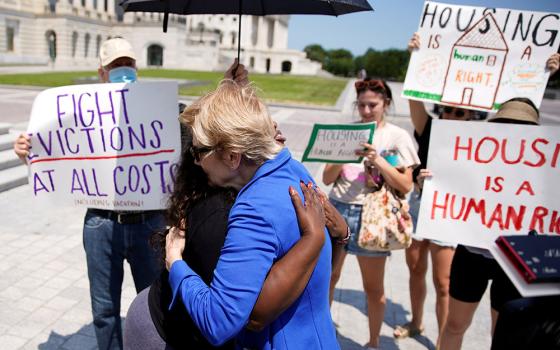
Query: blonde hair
(232, 117)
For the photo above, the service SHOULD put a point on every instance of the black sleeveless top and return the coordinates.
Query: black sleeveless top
(206, 233)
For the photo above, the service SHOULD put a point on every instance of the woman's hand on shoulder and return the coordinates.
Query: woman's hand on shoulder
(334, 220)
(310, 214)
(174, 246)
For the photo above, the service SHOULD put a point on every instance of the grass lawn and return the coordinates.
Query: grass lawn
(278, 88)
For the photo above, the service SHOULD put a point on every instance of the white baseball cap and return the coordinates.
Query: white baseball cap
(113, 49)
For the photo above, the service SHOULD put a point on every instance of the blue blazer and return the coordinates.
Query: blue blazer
(262, 227)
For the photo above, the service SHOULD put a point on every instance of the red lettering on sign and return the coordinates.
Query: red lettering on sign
(538, 219)
(467, 148)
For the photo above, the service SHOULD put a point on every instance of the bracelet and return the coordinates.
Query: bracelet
(345, 240)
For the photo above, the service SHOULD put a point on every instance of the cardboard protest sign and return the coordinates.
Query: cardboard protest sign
(478, 58)
(109, 146)
(490, 179)
(337, 143)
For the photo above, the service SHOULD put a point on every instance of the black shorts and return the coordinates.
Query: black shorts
(470, 273)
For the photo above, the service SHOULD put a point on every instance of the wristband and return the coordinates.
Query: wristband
(345, 240)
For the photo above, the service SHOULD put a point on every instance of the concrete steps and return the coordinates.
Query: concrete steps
(8, 159)
(6, 141)
(13, 177)
(13, 172)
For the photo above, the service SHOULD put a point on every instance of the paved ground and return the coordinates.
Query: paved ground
(44, 297)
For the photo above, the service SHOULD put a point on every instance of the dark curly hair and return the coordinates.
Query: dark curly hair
(189, 188)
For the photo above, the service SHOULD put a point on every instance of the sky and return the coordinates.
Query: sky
(389, 26)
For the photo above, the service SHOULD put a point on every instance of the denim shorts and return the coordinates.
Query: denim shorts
(414, 205)
(353, 215)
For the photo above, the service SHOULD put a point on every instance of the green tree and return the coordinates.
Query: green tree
(388, 64)
(340, 62)
(315, 52)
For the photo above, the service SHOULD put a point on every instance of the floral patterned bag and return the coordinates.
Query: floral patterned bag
(386, 223)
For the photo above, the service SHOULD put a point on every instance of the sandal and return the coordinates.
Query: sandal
(407, 330)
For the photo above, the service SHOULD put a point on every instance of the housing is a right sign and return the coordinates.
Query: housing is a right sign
(478, 58)
(490, 180)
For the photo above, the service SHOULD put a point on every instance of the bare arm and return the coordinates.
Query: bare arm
(418, 112)
(331, 173)
(289, 276)
(399, 180)
(418, 115)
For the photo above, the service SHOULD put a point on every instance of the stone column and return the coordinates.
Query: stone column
(111, 7)
(262, 33)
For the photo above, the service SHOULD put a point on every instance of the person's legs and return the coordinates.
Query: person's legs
(337, 263)
(417, 262)
(441, 271)
(502, 291)
(468, 280)
(139, 330)
(458, 321)
(373, 271)
(141, 256)
(352, 215)
(103, 245)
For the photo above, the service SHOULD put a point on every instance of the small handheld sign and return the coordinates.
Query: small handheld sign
(337, 143)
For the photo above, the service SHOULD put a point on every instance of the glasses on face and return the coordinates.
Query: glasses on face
(369, 84)
(199, 152)
(459, 113)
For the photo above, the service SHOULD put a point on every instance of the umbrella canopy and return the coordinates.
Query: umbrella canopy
(246, 7)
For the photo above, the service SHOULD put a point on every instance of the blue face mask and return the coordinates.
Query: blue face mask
(122, 75)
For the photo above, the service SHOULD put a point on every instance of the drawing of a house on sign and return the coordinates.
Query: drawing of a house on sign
(475, 66)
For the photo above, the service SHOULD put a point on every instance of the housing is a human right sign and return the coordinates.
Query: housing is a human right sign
(510, 188)
(478, 58)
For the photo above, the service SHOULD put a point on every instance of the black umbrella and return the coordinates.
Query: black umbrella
(246, 7)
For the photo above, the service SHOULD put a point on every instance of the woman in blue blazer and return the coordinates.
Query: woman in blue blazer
(233, 142)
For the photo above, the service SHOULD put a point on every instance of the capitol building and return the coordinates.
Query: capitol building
(67, 34)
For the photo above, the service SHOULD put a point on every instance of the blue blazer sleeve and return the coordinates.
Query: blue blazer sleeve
(222, 309)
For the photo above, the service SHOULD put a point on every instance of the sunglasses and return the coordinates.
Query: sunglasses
(198, 152)
(369, 84)
(459, 113)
